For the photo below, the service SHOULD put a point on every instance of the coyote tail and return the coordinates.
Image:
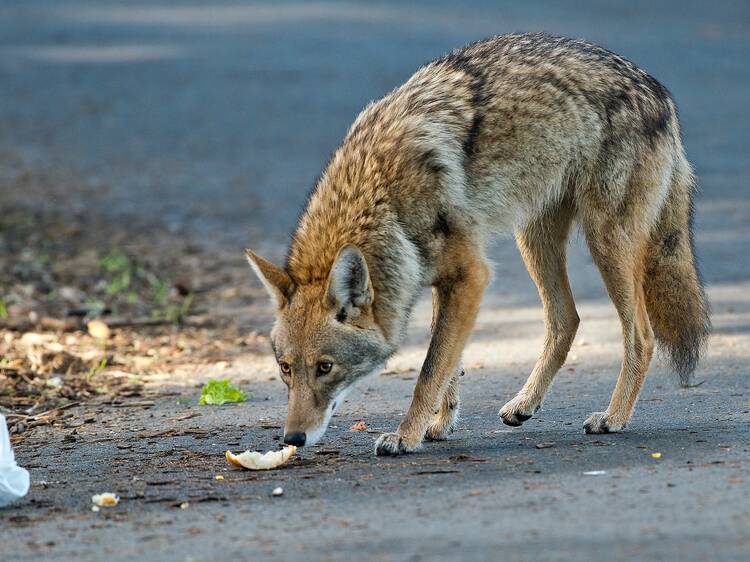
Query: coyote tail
(675, 299)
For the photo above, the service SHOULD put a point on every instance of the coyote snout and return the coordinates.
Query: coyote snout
(310, 412)
(311, 407)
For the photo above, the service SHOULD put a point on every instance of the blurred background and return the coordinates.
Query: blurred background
(207, 123)
(215, 118)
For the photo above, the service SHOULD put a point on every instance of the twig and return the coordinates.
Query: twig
(73, 324)
(57, 324)
(32, 417)
(142, 403)
(131, 322)
(123, 322)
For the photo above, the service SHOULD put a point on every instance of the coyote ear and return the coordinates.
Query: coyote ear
(276, 281)
(349, 287)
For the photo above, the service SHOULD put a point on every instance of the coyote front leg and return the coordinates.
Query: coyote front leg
(444, 420)
(459, 292)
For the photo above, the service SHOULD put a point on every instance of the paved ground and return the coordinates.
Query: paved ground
(216, 119)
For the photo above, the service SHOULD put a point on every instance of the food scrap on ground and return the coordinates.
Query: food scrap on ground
(655, 455)
(359, 426)
(106, 499)
(253, 460)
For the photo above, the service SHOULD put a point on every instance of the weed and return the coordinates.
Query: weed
(96, 369)
(121, 268)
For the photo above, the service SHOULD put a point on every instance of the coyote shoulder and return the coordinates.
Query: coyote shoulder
(520, 134)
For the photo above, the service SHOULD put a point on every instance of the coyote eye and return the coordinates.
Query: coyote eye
(324, 367)
(285, 368)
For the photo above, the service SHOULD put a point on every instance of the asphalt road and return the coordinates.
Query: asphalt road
(215, 119)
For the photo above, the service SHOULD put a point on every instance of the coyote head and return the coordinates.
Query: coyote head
(325, 339)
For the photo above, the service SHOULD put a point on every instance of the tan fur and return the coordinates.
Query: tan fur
(444, 419)
(519, 133)
(542, 245)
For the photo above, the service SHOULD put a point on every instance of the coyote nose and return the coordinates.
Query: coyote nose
(295, 438)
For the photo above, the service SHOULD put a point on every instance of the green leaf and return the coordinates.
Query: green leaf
(119, 283)
(216, 392)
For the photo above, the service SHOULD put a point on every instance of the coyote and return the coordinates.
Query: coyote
(518, 134)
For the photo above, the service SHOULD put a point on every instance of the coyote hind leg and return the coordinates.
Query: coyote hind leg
(620, 261)
(543, 245)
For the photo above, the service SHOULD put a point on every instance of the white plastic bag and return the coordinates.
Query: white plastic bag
(14, 480)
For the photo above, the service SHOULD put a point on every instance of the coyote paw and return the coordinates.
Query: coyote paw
(391, 445)
(518, 410)
(600, 422)
(443, 424)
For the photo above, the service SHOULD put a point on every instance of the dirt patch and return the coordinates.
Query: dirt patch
(92, 310)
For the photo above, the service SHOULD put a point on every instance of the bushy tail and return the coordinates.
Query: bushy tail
(675, 300)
